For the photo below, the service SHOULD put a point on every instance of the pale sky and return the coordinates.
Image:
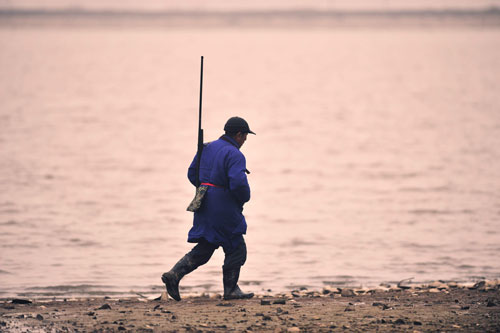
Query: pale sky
(245, 4)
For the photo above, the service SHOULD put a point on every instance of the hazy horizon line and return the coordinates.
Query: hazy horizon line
(74, 10)
(71, 16)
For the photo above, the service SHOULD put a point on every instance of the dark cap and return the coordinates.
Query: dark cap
(237, 124)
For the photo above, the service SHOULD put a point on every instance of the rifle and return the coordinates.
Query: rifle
(200, 131)
(200, 190)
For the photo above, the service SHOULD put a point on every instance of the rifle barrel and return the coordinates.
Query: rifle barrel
(200, 130)
(201, 93)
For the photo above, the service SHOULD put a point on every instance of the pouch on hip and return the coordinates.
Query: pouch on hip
(198, 198)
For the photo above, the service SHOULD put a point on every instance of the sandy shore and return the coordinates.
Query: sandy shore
(434, 307)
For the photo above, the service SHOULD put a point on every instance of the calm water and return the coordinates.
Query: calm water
(377, 155)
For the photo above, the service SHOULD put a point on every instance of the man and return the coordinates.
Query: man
(219, 220)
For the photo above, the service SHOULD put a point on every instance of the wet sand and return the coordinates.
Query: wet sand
(434, 307)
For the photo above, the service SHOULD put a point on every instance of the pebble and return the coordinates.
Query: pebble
(280, 301)
(382, 305)
(490, 304)
(39, 317)
(347, 293)
(330, 290)
(479, 285)
(226, 304)
(438, 285)
(21, 301)
(265, 302)
(104, 307)
(400, 321)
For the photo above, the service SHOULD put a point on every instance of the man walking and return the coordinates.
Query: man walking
(219, 220)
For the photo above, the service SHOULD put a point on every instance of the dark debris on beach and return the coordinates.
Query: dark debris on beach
(433, 307)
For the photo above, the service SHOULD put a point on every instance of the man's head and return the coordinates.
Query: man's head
(238, 129)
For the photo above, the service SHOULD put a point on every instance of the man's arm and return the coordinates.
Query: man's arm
(192, 171)
(238, 183)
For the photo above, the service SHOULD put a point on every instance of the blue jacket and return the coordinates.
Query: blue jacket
(219, 219)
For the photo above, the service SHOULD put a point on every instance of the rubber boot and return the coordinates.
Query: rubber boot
(172, 278)
(231, 289)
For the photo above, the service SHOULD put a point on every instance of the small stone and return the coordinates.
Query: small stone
(347, 293)
(265, 302)
(465, 307)
(417, 323)
(438, 285)
(490, 304)
(479, 285)
(154, 309)
(382, 305)
(225, 304)
(327, 290)
(90, 313)
(266, 318)
(400, 321)
(105, 307)
(39, 317)
(121, 328)
(349, 308)
(280, 301)
(21, 301)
